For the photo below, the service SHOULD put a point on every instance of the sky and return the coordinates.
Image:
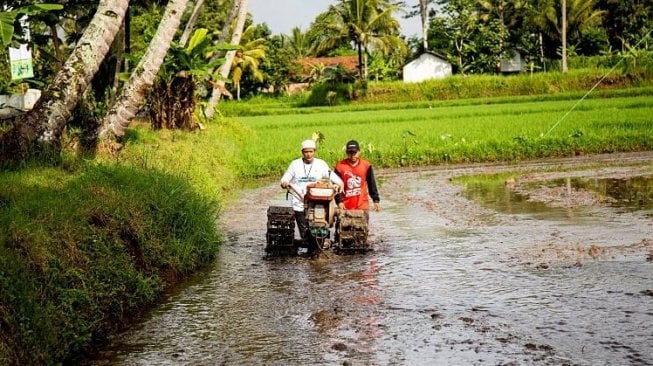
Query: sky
(283, 15)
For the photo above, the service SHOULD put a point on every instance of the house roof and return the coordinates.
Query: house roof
(443, 58)
(350, 63)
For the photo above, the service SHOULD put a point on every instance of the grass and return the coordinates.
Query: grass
(454, 133)
(88, 244)
(82, 252)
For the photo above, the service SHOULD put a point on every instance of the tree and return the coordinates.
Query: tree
(299, 43)
(626, 21)
(510, 17)
(580, 15)
(133, 93)
(280, 66)
(226, 67)
(369, 24)
(191, 23)
(40, 130)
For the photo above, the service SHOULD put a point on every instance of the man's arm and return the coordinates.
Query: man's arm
(372, 189)
(287, 176)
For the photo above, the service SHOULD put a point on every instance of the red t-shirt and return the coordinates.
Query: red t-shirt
(355, 195)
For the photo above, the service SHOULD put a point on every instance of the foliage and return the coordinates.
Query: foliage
(279, 67)
(184, 71)
(194, 58)
(249, 55)
(334, 85)
(369, 24)
(626, 22)
(9, 18)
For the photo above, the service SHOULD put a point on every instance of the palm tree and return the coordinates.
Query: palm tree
(226, 67)
(424, 17)
(299, 43)
(41, 129)
(247, 58)
(369, 24)
(580, 15)
(133, 93)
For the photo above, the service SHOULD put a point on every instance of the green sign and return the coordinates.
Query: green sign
(21, 62)
(21, 69)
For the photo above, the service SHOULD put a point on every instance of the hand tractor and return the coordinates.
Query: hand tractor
(322, 214)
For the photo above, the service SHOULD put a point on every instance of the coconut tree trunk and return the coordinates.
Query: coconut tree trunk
(359, 47)
(191, 23)
(119, 51)
(216, 93)
(423, 12)
(40, 130)
(133, 93)
(227, 24)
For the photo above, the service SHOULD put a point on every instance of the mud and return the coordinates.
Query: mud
(451, 280)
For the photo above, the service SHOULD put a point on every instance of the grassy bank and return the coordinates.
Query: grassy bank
(88, 244)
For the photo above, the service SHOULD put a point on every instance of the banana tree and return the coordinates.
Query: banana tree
(8, 18)
(173, 98)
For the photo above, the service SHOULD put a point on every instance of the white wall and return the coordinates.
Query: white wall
(426, 66)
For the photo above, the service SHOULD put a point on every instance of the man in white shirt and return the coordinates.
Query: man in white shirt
(300, 173)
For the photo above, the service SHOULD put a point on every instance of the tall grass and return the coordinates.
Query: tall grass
(87, 245)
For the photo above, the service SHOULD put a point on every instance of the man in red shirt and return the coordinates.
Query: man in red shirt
(359, 181)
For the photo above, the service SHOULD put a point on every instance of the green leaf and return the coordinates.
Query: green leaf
(8, 18)
(7, 26)
(198, 37)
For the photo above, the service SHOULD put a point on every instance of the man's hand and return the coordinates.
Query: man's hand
(377, 206)
(284, 185)
(341, 205)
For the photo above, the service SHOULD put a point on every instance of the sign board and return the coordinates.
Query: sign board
(21, 62)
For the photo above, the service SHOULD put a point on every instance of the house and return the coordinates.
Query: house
(427, 66)
(349, 63)
(511, 62)
(313, 67)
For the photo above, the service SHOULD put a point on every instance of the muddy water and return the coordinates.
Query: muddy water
(452, 280)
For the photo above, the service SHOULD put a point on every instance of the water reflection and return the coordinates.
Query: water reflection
(634, 193)
(497, 192)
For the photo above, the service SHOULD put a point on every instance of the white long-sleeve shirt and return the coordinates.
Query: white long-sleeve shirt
(300, 174)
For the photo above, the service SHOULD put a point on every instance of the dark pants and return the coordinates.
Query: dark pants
(302, 224)
(304, 231)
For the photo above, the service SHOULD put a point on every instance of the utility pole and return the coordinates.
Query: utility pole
(564, 36)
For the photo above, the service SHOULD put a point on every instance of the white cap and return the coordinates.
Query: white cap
(308, 144)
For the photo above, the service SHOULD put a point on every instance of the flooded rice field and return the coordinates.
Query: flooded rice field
(541, 263)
